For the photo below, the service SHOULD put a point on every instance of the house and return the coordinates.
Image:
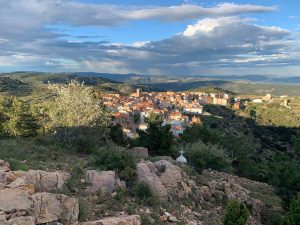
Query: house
(122, 118)
(267, 98)
(257, 100)
(220, 101)
(196, 120)
(237, 105)
(193, 109)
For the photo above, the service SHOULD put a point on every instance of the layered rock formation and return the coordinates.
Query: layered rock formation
(30, 198)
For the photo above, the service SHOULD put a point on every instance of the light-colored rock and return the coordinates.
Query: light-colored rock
(121, 220)
(42, 180)
(23, 220)
(15, 200)
(6, 175)
(163, 178)
(139, 152)
(4, 166)
(101, 181)
(50, 207)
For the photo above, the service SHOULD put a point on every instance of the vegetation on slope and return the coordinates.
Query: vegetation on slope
(74, 125)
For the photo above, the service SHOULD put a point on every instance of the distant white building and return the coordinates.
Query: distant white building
(257, 100)
(193, 110)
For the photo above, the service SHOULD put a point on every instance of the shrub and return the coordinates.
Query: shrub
(202, 156)
(272, 218)
(82, 216)
(236, 213)
(199, 132)
(82, 139)
(143, 194)
(293, 216)
(17, 165)
(117, 159)
(117, 135)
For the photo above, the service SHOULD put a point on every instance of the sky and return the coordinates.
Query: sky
(166, 37)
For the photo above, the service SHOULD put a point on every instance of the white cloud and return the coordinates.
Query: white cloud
(220, 41)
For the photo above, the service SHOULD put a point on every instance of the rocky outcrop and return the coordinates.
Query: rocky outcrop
(42, 180)
(21, 205)
(23, 220)
(163, 178)
(15, 202)
(50, 207)
(6, 176)
(101, 181)
(121, 220)
(22, 201)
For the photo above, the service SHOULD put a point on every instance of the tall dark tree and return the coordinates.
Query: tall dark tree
(293, 216)
(156, 138)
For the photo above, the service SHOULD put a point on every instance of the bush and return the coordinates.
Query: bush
(236, 213)
(82, 216)
(144, 194)
(117, 159)
(272, 218)
(117, 135)
(156, 138)
(293, 216)
(199, 132)
(202, 156)
(17, 165)
(82, 139)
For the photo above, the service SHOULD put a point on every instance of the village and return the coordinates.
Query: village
(178, 109)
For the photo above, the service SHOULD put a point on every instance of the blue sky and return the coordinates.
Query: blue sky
(151, 37)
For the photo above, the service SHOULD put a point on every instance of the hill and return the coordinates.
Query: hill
(33, 85)
(11, 86)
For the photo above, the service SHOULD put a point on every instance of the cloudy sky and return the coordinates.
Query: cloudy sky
(171, 37)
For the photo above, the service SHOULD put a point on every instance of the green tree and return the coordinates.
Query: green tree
(156, 138)
(203, 156)
(236, 213)
(136, 118)
(117, 135)
(296, 144)
(17, 119)
(200, 132)
(77, 105)
(154, 118)
(293, 216)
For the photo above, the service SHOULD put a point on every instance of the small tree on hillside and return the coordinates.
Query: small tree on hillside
(18, 120)
(77, 105)
(136, 118)
(156, 138)
(236, 213)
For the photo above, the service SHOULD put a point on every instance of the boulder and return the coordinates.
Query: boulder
(139, 152)
(4, 166)
(163, 178)
(6, 175)
(121, 220)
(50, 207)
(42, 180)
(15, 201)
(101, 181)
(28, 220)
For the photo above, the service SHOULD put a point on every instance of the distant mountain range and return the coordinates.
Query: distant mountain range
(145, 78)
(22, 83)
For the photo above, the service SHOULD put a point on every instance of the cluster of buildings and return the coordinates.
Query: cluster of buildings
(178, 109)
